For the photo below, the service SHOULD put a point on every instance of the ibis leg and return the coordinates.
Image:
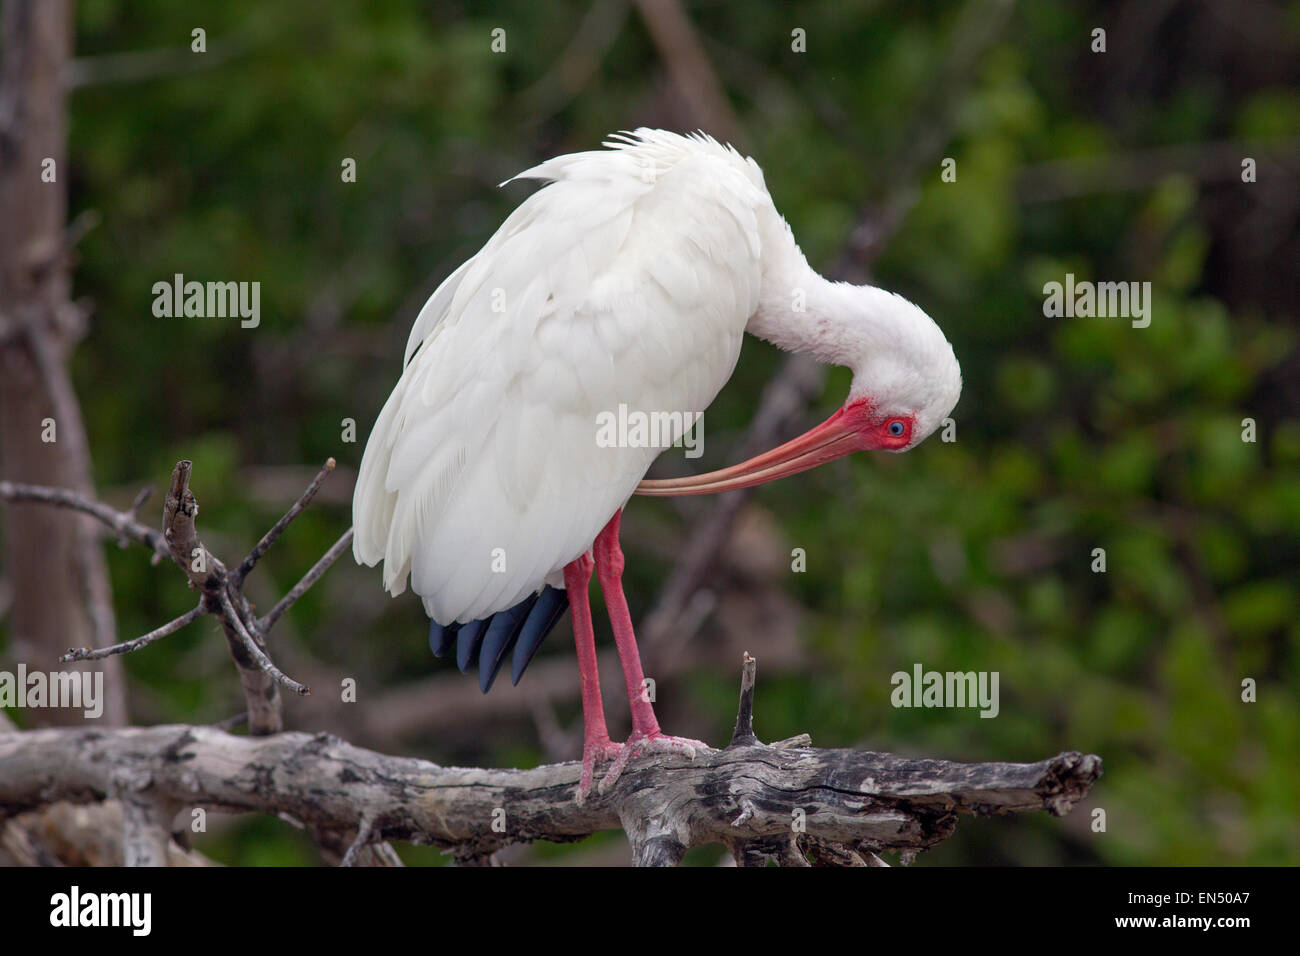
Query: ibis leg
(646, 736)
(609, 569)
(596, 744)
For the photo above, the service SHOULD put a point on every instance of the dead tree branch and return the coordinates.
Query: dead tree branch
(126, 647)
(311, 577)
(145, 839)
(237, 576)
(221, 591)
(789, 802)
(123, 523)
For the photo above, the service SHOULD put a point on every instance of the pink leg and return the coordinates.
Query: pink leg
(609, 569)
(646, 736)
(596, 744)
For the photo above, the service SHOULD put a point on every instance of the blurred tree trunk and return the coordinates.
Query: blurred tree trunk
(53, 558)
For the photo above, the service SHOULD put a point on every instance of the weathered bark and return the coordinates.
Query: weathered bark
(752, 798)
(54, 560)
(67, 834)
(209, 576)
(221, 591)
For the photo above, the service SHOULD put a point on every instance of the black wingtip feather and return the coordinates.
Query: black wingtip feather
(545, 614)
(499, 639)
(441, 637)
(468, 640)
(487, 642)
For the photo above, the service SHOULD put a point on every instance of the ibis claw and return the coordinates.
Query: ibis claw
(639, 745)
(593, 752)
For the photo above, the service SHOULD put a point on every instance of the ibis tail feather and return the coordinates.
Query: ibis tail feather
(489, 641)
(500, 639)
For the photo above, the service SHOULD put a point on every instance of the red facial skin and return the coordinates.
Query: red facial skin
(874, 430)
(855, 427)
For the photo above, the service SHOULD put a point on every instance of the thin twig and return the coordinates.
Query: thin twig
(180, 509)
(308, 579)
(126, 647)
(222, 593)
(121, 522)
(364, 831)
(268, 539)
(743, 736)
(134, 511)
(256, 652)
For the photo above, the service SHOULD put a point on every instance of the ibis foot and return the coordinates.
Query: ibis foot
(641, 744)
(593, 752)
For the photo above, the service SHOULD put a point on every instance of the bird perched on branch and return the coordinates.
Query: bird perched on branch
(627, 283)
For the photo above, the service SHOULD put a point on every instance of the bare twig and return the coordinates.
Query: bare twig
(133, 513)
(320, 567)
(237, 576)
(126, 647)
(251, 645)
(222, 593)
(274, 484)
(743, 735)
(258, 676)
(123, 523)
(180, 509)
(364, 832)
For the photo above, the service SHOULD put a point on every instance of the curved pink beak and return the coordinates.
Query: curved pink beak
(839, 435)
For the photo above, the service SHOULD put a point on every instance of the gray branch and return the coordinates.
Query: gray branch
(790, 802)
(221, 590)
(123, 523)
(237, 576)
(311, 577)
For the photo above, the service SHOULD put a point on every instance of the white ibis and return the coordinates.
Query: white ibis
(625, 284)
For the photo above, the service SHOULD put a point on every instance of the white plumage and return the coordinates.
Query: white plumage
(626, 284)
(629, 280)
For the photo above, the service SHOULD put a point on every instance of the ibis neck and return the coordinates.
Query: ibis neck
(836, 323)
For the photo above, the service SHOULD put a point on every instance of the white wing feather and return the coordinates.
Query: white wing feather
(629, 280)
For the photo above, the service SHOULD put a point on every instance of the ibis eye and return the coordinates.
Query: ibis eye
(895, 428)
